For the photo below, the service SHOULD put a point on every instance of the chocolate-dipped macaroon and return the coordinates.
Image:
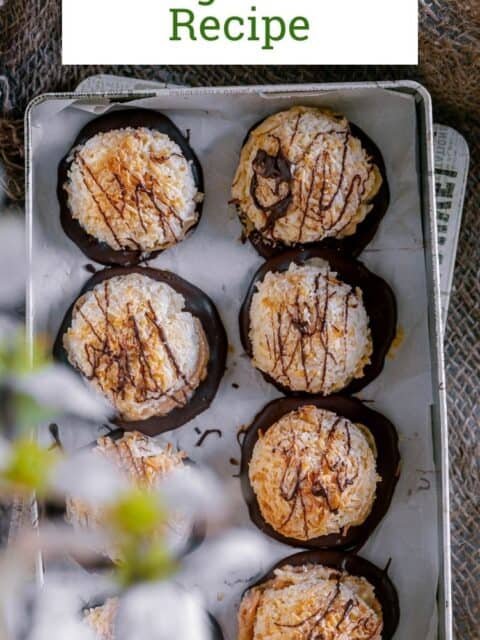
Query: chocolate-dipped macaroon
(150, 342)
(319, 473)
(317, 595)
(306, 175)
(143, 463)
(317, 322)
(130, 187)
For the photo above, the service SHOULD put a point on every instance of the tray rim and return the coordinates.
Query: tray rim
(425, 154)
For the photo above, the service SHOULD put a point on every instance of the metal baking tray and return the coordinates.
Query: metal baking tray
(39, 184)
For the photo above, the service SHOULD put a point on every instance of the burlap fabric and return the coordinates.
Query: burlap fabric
(450, 68)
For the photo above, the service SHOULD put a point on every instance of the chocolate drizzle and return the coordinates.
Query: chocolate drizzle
(151, 191)
(118, 354)
(292, 486)
(277, 170)
(206, 434)
(307, 336)
(111, 199)
(295, 483)
(378, 300)
(313, 621)
(342, 564)
(112, 352)
(315, 208)
(311, 625)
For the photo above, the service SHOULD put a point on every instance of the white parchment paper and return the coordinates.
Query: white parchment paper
(214, 259)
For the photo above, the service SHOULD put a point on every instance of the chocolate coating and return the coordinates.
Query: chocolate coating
(200, 306)
(387, 461)
(385, 591)
(378, 299)
(215, 628)
(95, 249)
(354, 244)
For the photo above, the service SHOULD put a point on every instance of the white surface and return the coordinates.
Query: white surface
(215, 260)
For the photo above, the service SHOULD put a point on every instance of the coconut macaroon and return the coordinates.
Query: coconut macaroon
(143, 463)
(132, 189)
(304, 177)
(311, 601)
(101, 620)
(132, 339)
(314, 473)
(309, 331)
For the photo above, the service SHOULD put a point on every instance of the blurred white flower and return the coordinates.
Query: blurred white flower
(58, 607)
(195, 490)
(235, 554)
(57, 615)
(33, 612)
(161, 611)
(61, 388)
(89, 477)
